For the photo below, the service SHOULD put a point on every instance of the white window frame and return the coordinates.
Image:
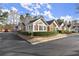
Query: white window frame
(42, 26)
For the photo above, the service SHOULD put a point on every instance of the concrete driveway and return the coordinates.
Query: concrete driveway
(12, 45)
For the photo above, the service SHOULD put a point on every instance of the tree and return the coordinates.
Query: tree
(60, 21)
(21, 18)
(3, 16)
(27, 14)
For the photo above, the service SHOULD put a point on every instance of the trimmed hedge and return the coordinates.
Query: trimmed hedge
(24, 33)
(39, 33)
(73, 32)
(64, 31)
(44, 33)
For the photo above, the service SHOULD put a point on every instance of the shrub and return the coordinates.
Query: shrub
(38, 33)
(59, 31)
(24, 33)
(67, 32)
(73, 32)
(44, 33)
(64, 31)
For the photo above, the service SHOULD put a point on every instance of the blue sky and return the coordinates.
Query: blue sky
(48, 10)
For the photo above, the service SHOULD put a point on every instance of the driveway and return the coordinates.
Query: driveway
(12, 45)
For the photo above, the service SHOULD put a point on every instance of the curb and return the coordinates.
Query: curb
(31, 41)
(42, 41)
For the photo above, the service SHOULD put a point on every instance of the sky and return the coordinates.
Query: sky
(48, 10)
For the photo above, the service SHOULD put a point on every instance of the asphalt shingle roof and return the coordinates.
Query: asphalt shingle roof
(49, 22)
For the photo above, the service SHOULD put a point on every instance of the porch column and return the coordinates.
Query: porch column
(33, 28)
(43, 28)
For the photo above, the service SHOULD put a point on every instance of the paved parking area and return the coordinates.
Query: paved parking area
(12, 45)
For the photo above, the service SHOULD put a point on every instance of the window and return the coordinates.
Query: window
(44, 27)
(40, 27)
(36, 27)
(30, 27)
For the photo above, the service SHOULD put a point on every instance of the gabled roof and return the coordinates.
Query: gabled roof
(58, 23)
(65, 24)
(35, 19)
(32, 21)
(76, 24)
(50, 22)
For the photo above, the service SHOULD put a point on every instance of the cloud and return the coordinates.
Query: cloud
(48, 6)
(14, 9)
(36, 12)
(38, 5)
(67, 18)
(48, 14)
(5, 10)
(26, 6)
(39, 9)
(77, 18)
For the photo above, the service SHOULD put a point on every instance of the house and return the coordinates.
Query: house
(37, 25)
(24, 20)
(64, 26)
(34, 24)
(68, 25)
(75, 26)
(20, 26)
(52, 26)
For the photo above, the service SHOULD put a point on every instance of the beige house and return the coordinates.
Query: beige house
(52, 26)
(33, 25)
(37, 25)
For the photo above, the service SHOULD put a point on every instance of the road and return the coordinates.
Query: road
(12, 45)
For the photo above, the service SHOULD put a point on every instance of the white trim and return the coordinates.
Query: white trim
(43, 27)
(55, 24)
(39, 25)
(33, 27)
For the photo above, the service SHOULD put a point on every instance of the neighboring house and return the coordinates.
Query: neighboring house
(52, 26)
(60, 26)
(24, 20)
(64, 26)
(21, 26)
(75, 27)
(68, 25)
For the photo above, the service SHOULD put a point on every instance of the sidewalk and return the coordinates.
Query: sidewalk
(36, 40)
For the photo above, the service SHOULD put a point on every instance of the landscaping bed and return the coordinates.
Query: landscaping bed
(38, 33)
(65, 32)
(40, 37)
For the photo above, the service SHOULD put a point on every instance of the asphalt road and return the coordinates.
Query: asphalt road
(12, 45)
